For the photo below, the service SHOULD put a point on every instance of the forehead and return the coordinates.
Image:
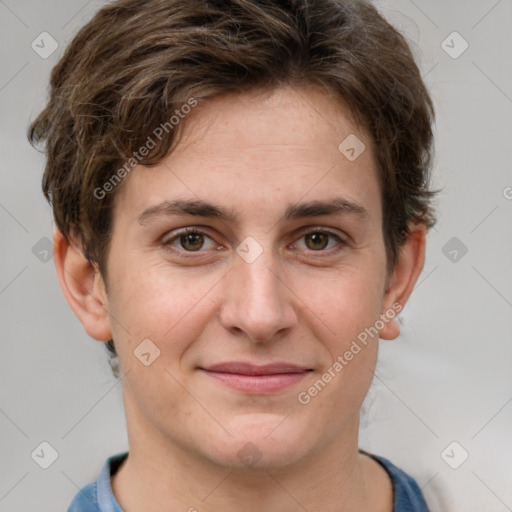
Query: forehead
(264, 149)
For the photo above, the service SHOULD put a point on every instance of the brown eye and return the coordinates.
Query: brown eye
(191, 241)
(317, 241)
(321, 240)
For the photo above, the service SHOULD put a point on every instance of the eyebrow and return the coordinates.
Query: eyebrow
(294, 211)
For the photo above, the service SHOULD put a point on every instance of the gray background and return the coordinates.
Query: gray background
(448, 378)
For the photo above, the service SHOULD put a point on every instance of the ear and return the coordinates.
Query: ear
(83, 287)
(403, 278)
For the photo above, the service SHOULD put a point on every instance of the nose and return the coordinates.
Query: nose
(258, 303)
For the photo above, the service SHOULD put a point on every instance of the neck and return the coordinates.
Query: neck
(159, 475)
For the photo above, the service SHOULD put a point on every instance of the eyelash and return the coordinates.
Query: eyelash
(189, 254)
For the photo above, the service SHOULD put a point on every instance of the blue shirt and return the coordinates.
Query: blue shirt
(98, 496)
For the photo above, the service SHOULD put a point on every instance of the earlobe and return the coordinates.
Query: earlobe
(83, 287)
(405, 275)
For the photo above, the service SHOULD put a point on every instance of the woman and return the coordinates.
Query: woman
(241, 193)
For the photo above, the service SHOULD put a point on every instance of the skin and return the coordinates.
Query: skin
(298, 302)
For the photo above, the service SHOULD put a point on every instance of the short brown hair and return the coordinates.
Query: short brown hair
(138, 61)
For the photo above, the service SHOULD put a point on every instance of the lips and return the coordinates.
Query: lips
(249, 369)
(257, 379)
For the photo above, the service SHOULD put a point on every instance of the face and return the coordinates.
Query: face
(251, 300)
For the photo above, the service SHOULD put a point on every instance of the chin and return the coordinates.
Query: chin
(262, 441)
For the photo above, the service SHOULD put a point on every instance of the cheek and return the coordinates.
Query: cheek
(350, 338)
(347, 308)
(346, 303)
(158, 303)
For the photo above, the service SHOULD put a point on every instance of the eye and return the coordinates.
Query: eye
(319, 240)
(189, 240)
